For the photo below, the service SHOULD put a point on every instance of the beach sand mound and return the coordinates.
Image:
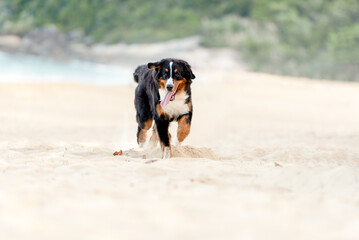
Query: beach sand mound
(178, 152)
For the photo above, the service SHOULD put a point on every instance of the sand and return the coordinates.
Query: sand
(268, 158)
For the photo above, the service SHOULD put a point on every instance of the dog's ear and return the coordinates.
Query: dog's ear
(189, 70)
(155, 65)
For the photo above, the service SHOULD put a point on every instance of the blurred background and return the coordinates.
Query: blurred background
(268, 156)
(101, 41)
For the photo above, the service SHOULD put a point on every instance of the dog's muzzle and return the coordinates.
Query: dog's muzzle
(169, 87)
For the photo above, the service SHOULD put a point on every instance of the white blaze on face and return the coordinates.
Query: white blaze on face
(170, 80)
(168, 96)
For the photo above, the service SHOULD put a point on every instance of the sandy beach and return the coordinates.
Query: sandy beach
(268, 157)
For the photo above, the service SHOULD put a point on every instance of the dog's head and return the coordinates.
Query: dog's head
(172, 75)
(172, 72)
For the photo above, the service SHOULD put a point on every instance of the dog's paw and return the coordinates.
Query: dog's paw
(166, 153)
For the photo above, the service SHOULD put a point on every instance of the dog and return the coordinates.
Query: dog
(163, 94)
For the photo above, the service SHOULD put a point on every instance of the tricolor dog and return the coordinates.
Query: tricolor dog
(163, 94)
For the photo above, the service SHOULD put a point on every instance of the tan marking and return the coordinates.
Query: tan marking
(159, 110)
(175, 70)
(189, 104)
(143, 132)
(142, 137)
(166, 70)
(153, 67)
(178, 84)
(148, 124)
(154, 137)
(183, 128)
(162, 82)
(182, 84)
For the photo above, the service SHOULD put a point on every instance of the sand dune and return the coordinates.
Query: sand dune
(268, 158)
(178, 151)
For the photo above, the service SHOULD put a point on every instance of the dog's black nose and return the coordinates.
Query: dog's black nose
(169, 87)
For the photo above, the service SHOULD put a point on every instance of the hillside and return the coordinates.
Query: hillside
(301, 38)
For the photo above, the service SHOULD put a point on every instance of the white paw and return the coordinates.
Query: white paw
(166, 153)
(176, 142)
(152, 144)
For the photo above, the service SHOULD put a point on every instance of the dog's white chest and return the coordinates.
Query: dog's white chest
(176, 107)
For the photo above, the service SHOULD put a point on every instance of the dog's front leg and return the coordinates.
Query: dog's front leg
(164, 136)
(184, 127)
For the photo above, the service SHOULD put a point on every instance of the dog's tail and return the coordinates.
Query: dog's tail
(137, 73)
(135, 77)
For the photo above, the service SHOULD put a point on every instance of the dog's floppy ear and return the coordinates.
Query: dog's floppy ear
(189, 70)
(155, 65)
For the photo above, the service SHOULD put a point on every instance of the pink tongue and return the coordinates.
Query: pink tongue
(167, 99)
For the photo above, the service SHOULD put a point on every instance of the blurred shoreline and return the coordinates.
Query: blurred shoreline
(30, 68)
(50, 43)
(46, 55)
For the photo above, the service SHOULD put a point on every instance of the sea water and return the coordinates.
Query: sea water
(26, 68)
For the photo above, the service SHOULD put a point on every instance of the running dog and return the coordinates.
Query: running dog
(163, 94)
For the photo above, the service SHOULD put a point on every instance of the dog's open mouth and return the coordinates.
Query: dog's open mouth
(170, 96)
(173, 95)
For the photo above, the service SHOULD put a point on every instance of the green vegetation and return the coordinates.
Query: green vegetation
(318, 38)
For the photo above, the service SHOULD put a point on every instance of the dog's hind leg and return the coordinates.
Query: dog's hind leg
(154, 138)
(142, 129)
(144, 116)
